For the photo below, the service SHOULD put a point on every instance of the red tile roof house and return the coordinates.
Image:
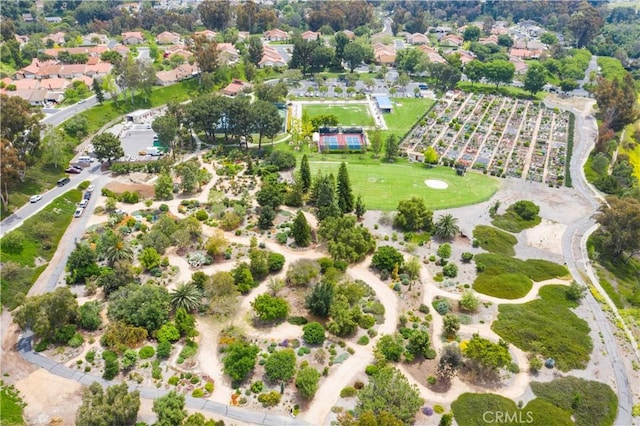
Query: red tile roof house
(451, 40)
(133, 37)
(183, 72)
(228, 53)
(32, 69)
(417, 38)
(167, 37)
(384, 54)
(525, 54)
(235, 87)
(276, 35)
(208, 34)
(271, 58)
(432, 54)
(57, 38)
(311, 35)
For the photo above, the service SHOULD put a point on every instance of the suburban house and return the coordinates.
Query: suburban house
(177, 50)
(132, 37)
(525, 53)
(243, 35)
(271, 58)
(167, 37)
(466, 56)
(488, 40)
(121, 49)
(53, 19)
(311, 35)
(235, 87)
(276, 35)
(208, 34)
(57, 38)
(94, 38)
(228, 54)
(521, 66)
(350, 34)
(182, 72)
(451, 40)
(22, 40)
(417, 39)
(384, 55)
(27, 17)
(91, 51)
(432, 54)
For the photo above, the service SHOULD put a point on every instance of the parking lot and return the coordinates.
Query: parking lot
(135, 139)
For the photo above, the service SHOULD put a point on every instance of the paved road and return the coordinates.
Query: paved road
(244, 415)
(593, 67)
(68, 112)
(16, 219)
(576, 259)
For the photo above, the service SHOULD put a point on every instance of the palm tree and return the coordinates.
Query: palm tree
(186, 296)
(446, 227)
(118, 250)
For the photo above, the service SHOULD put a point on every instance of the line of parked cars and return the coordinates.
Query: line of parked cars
(85, 201)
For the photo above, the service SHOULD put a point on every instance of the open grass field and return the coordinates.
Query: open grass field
(406, 111)
(470, 408)
(549, 327)
(37, 238)
(383, 185)
(348, 114)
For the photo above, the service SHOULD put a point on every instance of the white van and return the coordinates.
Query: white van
(84, 159)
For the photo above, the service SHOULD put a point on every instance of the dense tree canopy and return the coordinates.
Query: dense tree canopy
(47, 313)
(145, 306)
(413, 215)
(619, 219)
(345, 240)
(115, 406)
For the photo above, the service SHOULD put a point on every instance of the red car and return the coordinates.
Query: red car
(72, 170)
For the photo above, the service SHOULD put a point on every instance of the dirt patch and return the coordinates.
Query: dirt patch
(146, 191)
(48, 397)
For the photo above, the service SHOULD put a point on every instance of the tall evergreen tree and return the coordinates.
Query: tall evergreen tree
(360, 208)
(97, 88)
(305, 174)
(301, 230)
(345, 195)
(324, 194)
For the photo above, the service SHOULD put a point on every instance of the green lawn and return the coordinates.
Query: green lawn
(348, 114)
(547, 326)
(383, 185)
(504, 286)
(406, 112)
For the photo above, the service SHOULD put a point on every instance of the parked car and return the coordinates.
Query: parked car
(75, 166)
(83, 203)
(35, 198)
(91, 188)
(78, 212)
(87, 195)
(63, 181)
(72, 170)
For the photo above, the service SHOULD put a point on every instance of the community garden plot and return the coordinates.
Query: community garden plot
(500, 136)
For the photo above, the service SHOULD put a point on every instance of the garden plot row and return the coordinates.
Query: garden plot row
(501, 136)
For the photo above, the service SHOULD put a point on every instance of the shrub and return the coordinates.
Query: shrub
(90, 356)
(173, 380)
(348, 392)
(469, 302)
(146, 352)
(269, 399)
(197, 393)
(208, 387)
(282, 237)
(467, 257)
(83, 185)
(444, 251)
(428, 411)
(363, 340)
(371, 370)
(450, 270)
(164, 350)
(65, 333)
(276, 262)
(76, 341)
(423, 308)
(202, 215)
(366, 321)
(313, 333)
(257, 386)
(297, 320)
(438, 409)
(441, 307)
